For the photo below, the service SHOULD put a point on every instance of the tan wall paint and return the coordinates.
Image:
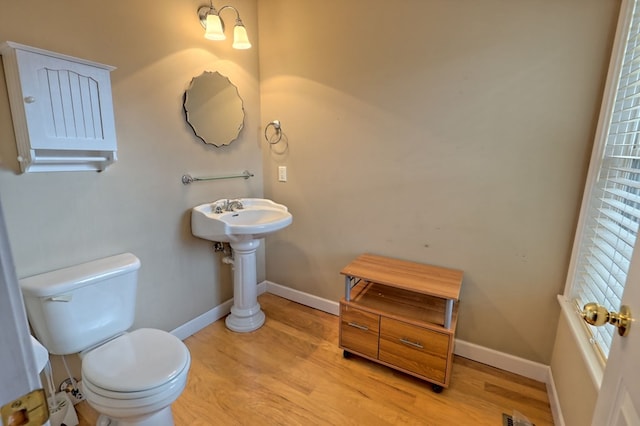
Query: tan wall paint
(453, 133)
(576, 391)
(453, 142)
(138, 204)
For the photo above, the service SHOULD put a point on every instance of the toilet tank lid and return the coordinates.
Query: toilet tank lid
(64, 280)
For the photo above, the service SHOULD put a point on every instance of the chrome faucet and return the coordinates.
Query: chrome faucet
(233, 205)
(227, 206)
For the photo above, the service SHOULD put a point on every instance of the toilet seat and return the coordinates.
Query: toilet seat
(136, 365)
(139, 397)
(161, 396)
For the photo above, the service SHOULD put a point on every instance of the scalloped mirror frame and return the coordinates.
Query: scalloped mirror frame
(214, 109)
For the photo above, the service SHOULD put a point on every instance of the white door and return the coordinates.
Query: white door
(18, 375)
(619, 397)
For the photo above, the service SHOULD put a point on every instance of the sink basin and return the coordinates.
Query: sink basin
(242, 228)
(257, 219)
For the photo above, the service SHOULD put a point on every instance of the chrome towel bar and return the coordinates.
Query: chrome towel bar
(187, 179)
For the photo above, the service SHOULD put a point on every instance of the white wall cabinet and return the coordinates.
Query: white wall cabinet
(62, 110)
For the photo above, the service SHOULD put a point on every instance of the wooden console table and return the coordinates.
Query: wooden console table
(401, 314)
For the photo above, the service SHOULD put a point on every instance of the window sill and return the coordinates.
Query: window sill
(591, 359)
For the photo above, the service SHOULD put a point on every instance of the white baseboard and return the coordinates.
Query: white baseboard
(513, 364)
(516, 365)
(306, 299)
(554, 401)
(200, 322)
(222, 310)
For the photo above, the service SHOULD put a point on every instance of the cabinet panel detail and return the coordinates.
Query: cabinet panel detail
(61, 108)
(359, 330)
(414, 348)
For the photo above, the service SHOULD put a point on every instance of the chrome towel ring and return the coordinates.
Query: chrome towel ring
(276, 136)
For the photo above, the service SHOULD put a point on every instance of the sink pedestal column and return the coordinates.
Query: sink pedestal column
(246, 314)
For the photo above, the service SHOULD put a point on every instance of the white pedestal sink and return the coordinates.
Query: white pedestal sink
(241, 223)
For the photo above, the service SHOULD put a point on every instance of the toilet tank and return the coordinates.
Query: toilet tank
(74, 308)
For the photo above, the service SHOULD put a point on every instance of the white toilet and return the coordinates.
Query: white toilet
(130, 378)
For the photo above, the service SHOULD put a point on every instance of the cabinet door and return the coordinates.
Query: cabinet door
(359, 331)
(67, 104)
(414, 348)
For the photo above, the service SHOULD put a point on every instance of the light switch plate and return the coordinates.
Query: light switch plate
(282, 173)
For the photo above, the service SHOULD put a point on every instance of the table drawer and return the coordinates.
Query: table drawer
(359, 330)
(420, 350)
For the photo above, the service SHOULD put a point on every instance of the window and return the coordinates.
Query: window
(610, 215)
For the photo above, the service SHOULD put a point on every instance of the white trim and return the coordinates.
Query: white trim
(516, 365)
(589, 356)
(554, 401)
(324, 305)
(601, 135)
(198, 323)
(503, 361)
(600, 141)
(192, 327)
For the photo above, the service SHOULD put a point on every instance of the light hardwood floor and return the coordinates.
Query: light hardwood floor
(291, 372)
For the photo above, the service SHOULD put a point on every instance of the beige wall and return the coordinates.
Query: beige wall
(576, 391)
(453, 133)
(138, 204)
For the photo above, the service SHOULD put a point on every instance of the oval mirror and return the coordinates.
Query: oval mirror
(213, 108)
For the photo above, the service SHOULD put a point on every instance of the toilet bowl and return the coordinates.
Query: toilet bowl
(128, 383)
(131, 378)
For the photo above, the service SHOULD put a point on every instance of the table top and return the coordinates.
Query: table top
(421, 278)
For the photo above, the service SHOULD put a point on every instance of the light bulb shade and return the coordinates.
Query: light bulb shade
(214, 29)
(240, 37)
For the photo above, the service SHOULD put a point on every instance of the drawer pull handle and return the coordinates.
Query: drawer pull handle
(358, 326)
(410, 343)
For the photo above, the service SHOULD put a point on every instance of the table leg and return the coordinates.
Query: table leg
(347, 288)
(448, 313)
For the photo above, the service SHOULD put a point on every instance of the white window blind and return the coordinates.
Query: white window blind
(613, 214)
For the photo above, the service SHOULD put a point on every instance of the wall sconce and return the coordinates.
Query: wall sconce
(214, 27)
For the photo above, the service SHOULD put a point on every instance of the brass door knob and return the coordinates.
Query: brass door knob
(598, 315)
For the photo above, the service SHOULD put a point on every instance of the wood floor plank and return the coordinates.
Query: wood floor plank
(291, 372)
